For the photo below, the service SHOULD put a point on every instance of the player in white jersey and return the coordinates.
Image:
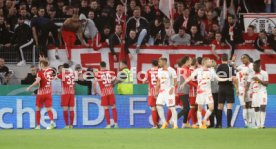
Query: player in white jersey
(243, 71)
(204, 77)
(166, 83)
(259, 82)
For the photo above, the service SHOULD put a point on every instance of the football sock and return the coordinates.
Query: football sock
(219, 120)
(114, 114)
(38, 116)
(51, 116)
(154, 117)
(207, 115)
(72, 116)
(257, 117)
(169, 115)
(245, 116)
(174, 115)
(65, 117)
(107, 116)
(263, 116)
(160, 111)
(229, 117)
(199, 118)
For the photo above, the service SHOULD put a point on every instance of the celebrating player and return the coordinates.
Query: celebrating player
(151, 78)
(67, 97)
(242, 77)
(44, 94)
(259, 81)
(106, 78)
(204, 94)
(166, 83)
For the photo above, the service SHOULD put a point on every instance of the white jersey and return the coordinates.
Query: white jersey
(257, 87)
(242, 75)
(204, 78)
(166, 78)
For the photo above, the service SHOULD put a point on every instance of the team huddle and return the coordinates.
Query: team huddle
(191, 85)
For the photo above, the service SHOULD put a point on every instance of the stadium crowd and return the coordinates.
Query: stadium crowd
(105, 23)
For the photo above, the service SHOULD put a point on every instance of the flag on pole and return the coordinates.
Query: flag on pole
(223, 14)
(167, 7)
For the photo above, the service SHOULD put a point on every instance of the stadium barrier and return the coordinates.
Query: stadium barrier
(18, 112)
(88, 57)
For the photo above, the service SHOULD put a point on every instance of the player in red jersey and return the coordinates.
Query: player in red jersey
(151, 79)
(106, 78)
(44, 94)
(68, 94)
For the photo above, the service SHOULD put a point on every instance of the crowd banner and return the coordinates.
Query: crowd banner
(88, 58)
(18, 112)
(261, 21)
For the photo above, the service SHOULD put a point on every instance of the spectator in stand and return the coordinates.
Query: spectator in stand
(41, 27)
(30, 78)
(60, 5)
(22, 38)
(156, 32)
(215, 27)
(5, 36)
(148, 13)
(4, 72)
(94, 6)
(261, 43)
(272, 39)
(169, 32)
(139, 24)
(34, 11)
(210, 38)
(120, 17)
(200, 21)
(102, 38)
(105, 20)
(84, 7)
(24, 13)
(250, 36)
(131, 40)
(115, 40)
(156, 11)
(232, 33)
(270, 6)
(132, 6)
(184, 20)
(196, 38)
(179, 10)
(217, 44)
(89, 29)
(209, 21)
(182, 38)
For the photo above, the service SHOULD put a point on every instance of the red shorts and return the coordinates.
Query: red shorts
(42, 100)
(108, 100)
(192, 101)
(68, 100)
(151, 101)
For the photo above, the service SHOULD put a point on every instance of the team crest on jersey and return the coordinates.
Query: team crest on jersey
(48, 74)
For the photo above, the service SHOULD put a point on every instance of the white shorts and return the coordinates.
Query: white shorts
(259, 98)
(244, 99)
(204, 98)
(165, 98)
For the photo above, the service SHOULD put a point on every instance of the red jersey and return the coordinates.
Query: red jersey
(45, 84)
(152, 79)
(105, 79)
(193, 85)
(68, 82)
(249, 40)
(217, 44)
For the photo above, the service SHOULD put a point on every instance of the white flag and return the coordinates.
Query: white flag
(167, 7)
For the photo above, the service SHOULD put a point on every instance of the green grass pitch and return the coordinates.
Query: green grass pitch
(139, 139)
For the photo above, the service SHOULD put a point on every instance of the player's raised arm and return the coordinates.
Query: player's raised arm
(37, 80)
